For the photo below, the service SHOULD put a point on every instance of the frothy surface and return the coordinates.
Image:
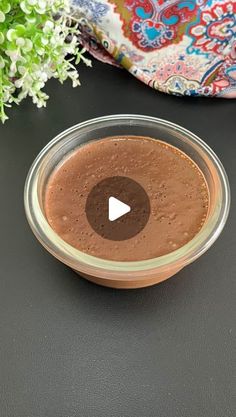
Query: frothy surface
(175, 186)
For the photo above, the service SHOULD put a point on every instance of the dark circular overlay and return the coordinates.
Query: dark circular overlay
(129, 192)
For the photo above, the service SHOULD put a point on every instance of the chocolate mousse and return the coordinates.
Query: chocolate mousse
(168, 207)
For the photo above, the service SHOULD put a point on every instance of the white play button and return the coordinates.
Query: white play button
(117, 209)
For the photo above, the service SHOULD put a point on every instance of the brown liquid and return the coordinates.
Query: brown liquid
(176, 188)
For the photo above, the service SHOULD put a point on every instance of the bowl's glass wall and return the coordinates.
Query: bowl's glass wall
(117, 125)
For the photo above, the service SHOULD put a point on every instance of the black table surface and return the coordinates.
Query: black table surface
(70, 348)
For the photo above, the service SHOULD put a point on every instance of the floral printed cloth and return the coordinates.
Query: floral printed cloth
(182, 47)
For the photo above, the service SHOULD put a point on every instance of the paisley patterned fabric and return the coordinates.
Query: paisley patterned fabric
(182, 47)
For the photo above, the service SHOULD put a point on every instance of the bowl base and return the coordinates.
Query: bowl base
(130, 283)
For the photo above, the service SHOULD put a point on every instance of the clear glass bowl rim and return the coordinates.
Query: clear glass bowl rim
(91, 265)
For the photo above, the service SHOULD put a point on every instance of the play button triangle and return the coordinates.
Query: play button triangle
(117, 209)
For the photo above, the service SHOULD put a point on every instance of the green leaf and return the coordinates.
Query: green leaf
(25, 8)
(11, 35)
(34, 48)
(2, 17)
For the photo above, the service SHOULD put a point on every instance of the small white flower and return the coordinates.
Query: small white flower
(14, 55)
(19, 83)
(44, 41)
(53, 41)
(21, 69)
(75, 83)
(13, 68)
(38, 85)
(42, 4)
(48, 27)
(44, 76)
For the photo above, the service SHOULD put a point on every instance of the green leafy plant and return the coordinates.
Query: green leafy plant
(36, 39)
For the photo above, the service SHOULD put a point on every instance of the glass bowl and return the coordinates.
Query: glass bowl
(127, 274)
